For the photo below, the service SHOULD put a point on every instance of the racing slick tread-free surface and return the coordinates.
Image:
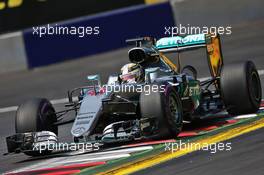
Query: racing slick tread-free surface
(240, 87)
(35, 115)
(157, 105)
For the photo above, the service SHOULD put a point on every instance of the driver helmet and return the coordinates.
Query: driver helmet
(132, 73)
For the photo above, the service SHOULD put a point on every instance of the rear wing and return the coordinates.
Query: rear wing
(182, 43)
(178, 43)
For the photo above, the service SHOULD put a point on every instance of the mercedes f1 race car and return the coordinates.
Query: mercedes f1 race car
(154, 108)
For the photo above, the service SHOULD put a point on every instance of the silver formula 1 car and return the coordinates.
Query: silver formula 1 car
(155, 108)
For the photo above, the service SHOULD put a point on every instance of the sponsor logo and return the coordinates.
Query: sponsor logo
(82, 122)
(179, 41)
(195, 90)
(78, 130)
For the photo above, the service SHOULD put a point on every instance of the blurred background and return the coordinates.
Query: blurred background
(21, 14)
(31, 66)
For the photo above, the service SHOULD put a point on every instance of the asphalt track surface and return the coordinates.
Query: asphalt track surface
(52, 82)
(245, 157)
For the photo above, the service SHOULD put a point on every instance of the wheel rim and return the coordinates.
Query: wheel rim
(174, 108)
(255, 86)
(46, 115)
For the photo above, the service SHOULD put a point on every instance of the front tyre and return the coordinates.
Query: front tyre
(166, 108)
(36, 115)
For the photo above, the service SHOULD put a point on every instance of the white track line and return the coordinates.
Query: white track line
(54, 102)
(8, 109)
(68, 161)
(245, 116)
(65, 100)
(90, 157)
(261, 72)
(119, 151)
(124, 150)
(95, 159)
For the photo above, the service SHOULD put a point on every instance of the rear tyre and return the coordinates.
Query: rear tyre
(240, 88)
(166, 108)
(36, 115)
(189, 70)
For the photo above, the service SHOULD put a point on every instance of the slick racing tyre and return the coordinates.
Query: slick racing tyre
(35, 115)
(166, 108)
(189, 70)
(240, 88)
